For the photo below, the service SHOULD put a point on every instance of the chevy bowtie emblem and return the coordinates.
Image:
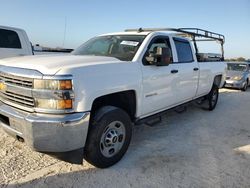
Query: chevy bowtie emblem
(3, 87)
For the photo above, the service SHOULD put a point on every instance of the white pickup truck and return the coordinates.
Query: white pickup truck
(14, 42)
(89, 100)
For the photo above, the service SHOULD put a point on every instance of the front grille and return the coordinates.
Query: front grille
(17, 99)
(228, 78)
(18, 91)
(16, 80)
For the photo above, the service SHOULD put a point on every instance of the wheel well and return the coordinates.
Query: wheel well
(217, 80)
(125, 100)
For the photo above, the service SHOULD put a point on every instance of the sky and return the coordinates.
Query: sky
(45, 20)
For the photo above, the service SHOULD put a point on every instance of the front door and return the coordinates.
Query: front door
(159, 83)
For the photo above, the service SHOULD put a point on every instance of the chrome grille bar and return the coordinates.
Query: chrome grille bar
(17, 98)
(16, 80)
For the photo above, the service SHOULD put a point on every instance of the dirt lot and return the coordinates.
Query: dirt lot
(193, 149)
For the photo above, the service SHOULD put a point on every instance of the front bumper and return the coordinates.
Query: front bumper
(44, 132)
(234, 84)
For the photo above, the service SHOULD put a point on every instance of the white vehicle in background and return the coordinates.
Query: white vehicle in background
(14, 42)
(88, 101)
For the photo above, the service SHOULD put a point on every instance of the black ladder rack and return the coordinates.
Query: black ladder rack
(195, 34)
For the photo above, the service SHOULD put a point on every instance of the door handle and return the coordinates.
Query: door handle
(174, 71)
(196, 69)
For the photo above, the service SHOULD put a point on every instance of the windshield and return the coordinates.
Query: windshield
(122, 47)
(236, 67)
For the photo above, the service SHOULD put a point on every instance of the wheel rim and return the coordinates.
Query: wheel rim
(214, 97)
(112, 139)
(245, 86)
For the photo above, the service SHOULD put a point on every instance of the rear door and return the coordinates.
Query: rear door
(188, 70)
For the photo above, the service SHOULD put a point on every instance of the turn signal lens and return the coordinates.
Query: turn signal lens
(65, 84)
(64, 104)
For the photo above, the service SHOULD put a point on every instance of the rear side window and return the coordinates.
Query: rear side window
(9, 39)
(184, 51)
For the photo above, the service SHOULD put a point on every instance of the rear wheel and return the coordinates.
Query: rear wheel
(109, 137)
(212, 98)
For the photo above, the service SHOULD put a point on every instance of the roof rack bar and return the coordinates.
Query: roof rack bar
(194, 32)
(151, 29)
(202, 40)
(204, 33)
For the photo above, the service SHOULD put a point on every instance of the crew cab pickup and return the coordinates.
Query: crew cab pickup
(89, 100)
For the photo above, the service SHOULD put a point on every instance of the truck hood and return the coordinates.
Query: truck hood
(51, 64)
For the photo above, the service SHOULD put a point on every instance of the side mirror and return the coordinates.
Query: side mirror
(160, 57)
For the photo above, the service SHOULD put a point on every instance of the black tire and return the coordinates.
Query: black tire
(99, 130)
(212, 98)
(245, 86)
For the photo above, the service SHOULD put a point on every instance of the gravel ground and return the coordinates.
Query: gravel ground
(194, 149)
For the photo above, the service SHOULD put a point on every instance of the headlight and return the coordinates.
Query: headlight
(237, 78)
(53, 95)
(53, 104)
(53, 84)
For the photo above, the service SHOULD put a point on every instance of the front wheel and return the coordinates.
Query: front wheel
(212, 98)
(108, 138)
(244, 88)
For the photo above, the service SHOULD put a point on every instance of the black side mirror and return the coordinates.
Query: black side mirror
(160, 57)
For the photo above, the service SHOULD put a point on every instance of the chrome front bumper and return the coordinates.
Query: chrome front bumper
(45, 132)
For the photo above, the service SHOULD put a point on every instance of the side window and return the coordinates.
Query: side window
(184, 51)
(9, 39)
(159, 42)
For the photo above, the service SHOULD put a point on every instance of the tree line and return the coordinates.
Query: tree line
(238, 59)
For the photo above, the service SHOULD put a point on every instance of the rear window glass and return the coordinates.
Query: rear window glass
(9, 39)
(184, 51)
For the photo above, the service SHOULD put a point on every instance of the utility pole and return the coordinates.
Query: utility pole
(64, 35)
